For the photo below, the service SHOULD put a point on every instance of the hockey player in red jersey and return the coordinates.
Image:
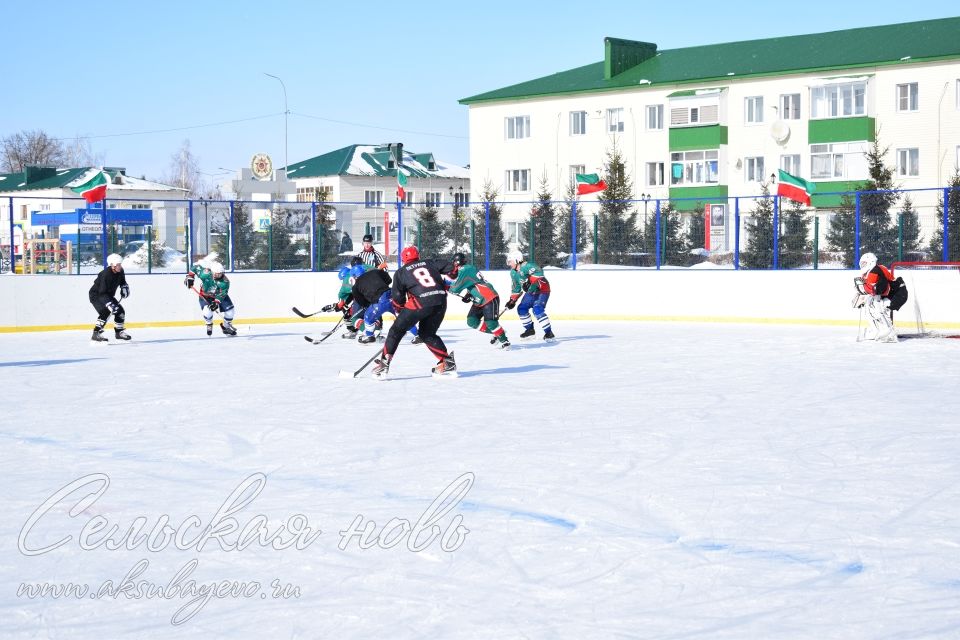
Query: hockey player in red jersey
(420, 298)
(881, 294)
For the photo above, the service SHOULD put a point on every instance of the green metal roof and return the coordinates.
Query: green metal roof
(365, 159)
(694, 92)
(37, 178)
(904, 43)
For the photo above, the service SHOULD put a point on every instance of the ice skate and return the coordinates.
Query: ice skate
(416, 340)
(365, 339)
(121, 334)
(227, 328)
(447, 367)
(549, 337)
(381, 367)
(98, 336)
(349, 334)
(209, 329)
(528, 333)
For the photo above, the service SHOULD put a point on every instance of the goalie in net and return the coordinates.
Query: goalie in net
(879, 294)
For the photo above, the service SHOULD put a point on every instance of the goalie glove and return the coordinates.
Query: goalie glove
(859, 301)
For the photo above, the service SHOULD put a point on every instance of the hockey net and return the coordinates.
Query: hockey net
(933, 303)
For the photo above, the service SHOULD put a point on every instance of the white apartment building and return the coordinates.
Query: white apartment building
(711, 122)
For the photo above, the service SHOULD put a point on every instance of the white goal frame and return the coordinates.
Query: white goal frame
(933, 299)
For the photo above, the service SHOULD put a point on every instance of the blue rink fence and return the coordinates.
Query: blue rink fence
(734, 232)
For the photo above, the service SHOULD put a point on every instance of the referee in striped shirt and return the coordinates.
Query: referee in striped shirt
(371, 256)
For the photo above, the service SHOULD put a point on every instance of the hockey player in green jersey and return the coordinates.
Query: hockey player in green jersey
(527, 280)
(214, 294)
(484, 299)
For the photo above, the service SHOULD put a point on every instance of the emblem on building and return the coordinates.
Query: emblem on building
(262, 166)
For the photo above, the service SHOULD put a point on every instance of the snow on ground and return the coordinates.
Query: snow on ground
(630, 480)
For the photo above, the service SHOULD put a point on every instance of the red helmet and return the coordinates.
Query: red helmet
(409, 254)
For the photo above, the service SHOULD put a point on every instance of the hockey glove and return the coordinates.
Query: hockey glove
(468, 298)
(188, 281)
(328, 308)
(112, 306)
(511, 303)
(214, 305)
(124, 291)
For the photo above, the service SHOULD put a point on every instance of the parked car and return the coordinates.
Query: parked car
(132, 247)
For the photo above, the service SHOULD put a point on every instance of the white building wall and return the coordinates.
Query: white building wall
(550, 149)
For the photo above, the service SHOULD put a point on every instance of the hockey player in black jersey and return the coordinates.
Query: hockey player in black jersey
(421, 298)
(103, 298)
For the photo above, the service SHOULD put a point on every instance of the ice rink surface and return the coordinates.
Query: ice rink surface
(631, 480)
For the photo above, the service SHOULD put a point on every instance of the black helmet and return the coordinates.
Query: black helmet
(355, 260)
(368, 238)
(459, 259)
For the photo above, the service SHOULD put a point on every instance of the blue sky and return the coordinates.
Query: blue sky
(354, 72)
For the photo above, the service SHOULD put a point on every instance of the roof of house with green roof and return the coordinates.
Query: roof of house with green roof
(630, 64)
(43, 178)
(374, 160)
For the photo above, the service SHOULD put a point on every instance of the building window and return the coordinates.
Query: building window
(838, 160)
(409, 198)
(313, 194)
(574, 170)
(514, 231)
(517, 127)
(790, 106)
(615, 120)
(694, 167)
(432, 199)
(654, 174)
(838, 100)
(578, 123)
(372, 199)
(518, 180)
(791, 164)
(908, 162)
(907, 97)
(753, 110)
(654, 117)
(460, 199)
(753, 169)
(376, 230)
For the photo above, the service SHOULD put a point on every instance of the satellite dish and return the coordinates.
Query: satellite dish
(780, 131)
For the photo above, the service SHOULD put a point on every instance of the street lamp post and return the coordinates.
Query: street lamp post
(286, 113)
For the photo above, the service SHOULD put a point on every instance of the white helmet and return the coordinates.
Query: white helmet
(114, 259)
(216, 268)
(867, 262)
(515, 257)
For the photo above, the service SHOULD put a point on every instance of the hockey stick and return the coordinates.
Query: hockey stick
(306, 315)
(329, 333)
(347, 374)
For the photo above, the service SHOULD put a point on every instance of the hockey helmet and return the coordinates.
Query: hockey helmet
(355, 260)
(216, 269)
(459, 259)
(114, 259)
(409, 254)
(357, 271)
(344, 273)
(515, 257)
(867, 262)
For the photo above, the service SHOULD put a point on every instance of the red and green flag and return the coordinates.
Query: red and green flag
(94, 189)
(401, 185)
(795, 188)
(589, 183)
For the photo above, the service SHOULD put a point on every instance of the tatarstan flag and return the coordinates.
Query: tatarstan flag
(94, 189)
(795, 188)
(401, 185)
(589, 183)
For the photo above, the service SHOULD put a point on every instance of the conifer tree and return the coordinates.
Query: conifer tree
(910, 223)
(695, 236)
(617, 227)
(795, 243)
(759, 227)
(429, 237)
(877, 232)
(565, 224)
(953, 224)
(543, 218)
(498, 245)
